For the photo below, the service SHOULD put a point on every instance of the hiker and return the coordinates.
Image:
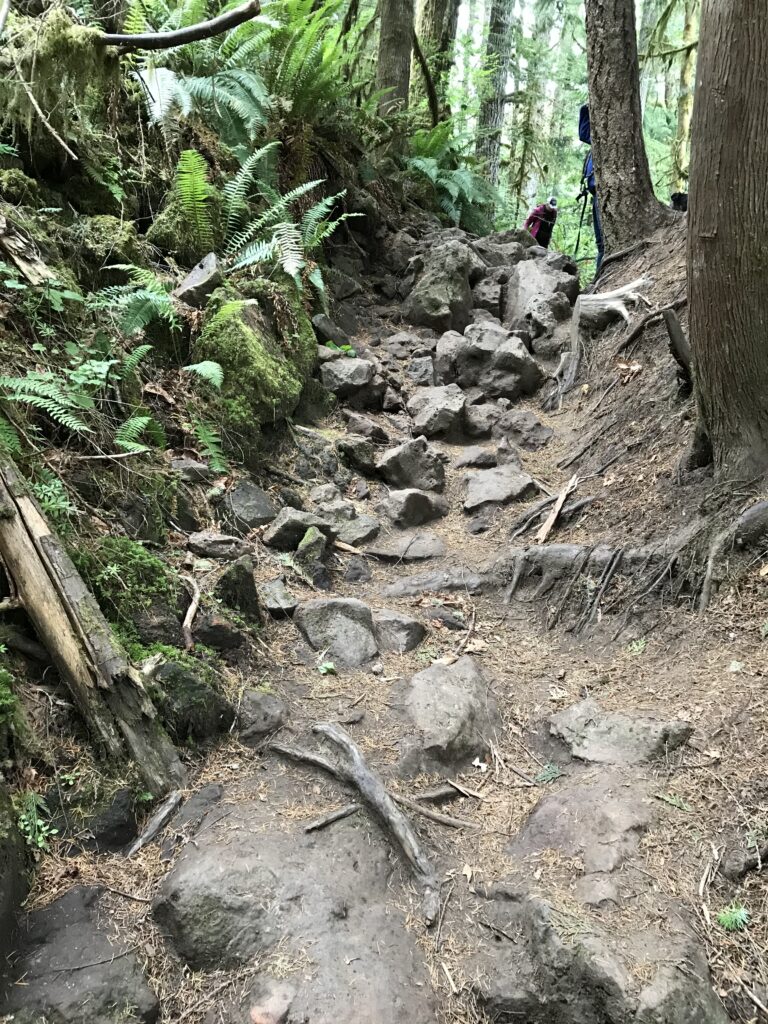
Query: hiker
(541, 221)
(588, 180)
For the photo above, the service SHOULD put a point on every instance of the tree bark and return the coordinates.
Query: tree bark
(685, 96)
(393, 71)
(728, 228)
(498, 53)
(104, 688)
(436, 31)
(628, 207)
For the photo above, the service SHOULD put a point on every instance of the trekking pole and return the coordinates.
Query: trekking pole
(585, 194)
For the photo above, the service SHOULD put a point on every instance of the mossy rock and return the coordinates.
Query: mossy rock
(19, 190)
(267, 350)
(94, 243)
(190, 709)
(173, 231)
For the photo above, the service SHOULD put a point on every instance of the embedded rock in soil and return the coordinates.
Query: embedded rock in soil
(587, 973)
(288, 529)
(358, 453)
(399, 249)
(276, 598)
(327, 895)
(421, 372)
(107, 826)
(364, 427)
(340, 627)
(414, 546)
(326, 330)
(212, 629)
(481, 420)
(200, 282)
(477, 457)
(606, 737)
(58, 944)
(599, 821)
(396, 631)
(347, 377)
(530, 282)
(459, 578)
(442, 296)
(189, 708)
(437, 412)
(247, 506)
(524, 429)
(260, 713)
(13, 882)
(412, 507)
(359, 531)
(454, 714)
(236, 587)
(413, 464)
(192, 471)
(357, 571)
(497, 486)
(208, 544)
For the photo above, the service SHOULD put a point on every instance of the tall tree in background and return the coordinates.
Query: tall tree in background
(436, 31)
(685, 95)
(727, 250)
(490, 122)
(393, 70)
(628, 206)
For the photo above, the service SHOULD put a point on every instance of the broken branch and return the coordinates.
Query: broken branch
(328, 819)
(182, 36)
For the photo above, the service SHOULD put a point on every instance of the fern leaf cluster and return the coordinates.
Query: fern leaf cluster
(209, 441)
(49, 394)
(209, 371)
(194, 194)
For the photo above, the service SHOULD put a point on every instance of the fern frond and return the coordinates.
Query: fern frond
(127, 435)
(288, 248)
(208, 370)
(194, 191)
(209, 440)
(236, 189)
(10, 442)
(132, 360)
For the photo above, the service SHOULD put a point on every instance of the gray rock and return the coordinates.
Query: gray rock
(490, 358)
(442, 296)
(399, 249)
(412, 507)
(209, 544)
(476, 456)
(200, 282)
(392, 401)
(219, 632)
(337, 512)
(454, 715)
(487, 295)
(524, 429)
(359, 531)
(311, 546)
(363, 427)
(397, 632)
(421, 372)
(276, 598)
(607, 737)
(326, 330)
(413, 464)
(324, 493)
(438, 412)
(481, 420)
(192, 471)
(531, 282)
(497, 486)
(435, 582)
(260, 714)
(13, 881)
(59, 943)
(347, 377)
(236, 587)
(287, 530)
(247, 506)
(358, 453)
(342, 627)
(414, 546)
(357, 571)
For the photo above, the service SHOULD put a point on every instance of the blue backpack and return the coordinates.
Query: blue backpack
(585, 134)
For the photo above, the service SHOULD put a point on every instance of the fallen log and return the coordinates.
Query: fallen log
(182, 36)
(105, 688)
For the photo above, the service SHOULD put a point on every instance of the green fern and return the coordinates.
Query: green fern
(194, 194)
(209, 440)
(139, 303)
(139, 425)
(734, 918)
(209, 371)
(131, 362)
(50, 394)
(10, 443)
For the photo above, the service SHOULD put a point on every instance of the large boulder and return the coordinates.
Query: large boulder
(412, 507)
(190, 708)
(497, 486)
(247, 506)
(533, 281)
(442, 296)
(341, 627)
(437, 412)
(413, 464)
(288, 529)
(74, 969)
(607, 737)
(453, 714)
(347, 377)
(490, 358)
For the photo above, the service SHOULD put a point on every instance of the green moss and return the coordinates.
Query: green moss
(173, 231)
(125, 578)
(93, 243)
(18, 189)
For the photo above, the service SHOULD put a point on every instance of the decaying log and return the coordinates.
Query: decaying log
(353, 770)
(156, 823)
(105, 688)
(22, 252)
(182, 36)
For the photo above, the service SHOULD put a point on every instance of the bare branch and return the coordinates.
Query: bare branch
(182, 36)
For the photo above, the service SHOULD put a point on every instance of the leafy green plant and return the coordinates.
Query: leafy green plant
(675, 801)
(32, 816)
(209, 442)
(637, 647)
(52, 394)
(549, 773)
(734, 918)
(346, 349)
(54, 500)
(127, 436)
(139, 303)
(209, 371)
(194, 192)
(327, 668)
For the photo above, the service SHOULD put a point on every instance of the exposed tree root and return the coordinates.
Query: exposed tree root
(749, 528)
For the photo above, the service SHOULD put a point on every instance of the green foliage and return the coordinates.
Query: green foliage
(8, 700)
(10, 443)
(127, 435)
(52, 394)
(137, 304)
(327, 668)
(209, 442)
(33, 822)
(549, 773)
(209, 371)
(54, 501)
(194, 191)
(734, 918)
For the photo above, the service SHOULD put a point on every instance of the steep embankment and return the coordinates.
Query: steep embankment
(572, 745)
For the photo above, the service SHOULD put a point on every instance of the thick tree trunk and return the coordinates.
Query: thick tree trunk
(105, 689)
(685, 96)
(628, 206)
(393, 70)
(436, 32)
(728, 229)
(491, 120)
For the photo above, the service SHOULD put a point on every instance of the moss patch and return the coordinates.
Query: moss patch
(18, 189)
(93, 243)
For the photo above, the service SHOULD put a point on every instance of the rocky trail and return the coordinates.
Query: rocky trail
(478, 766)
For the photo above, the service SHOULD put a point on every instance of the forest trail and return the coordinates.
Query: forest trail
(565, 720)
